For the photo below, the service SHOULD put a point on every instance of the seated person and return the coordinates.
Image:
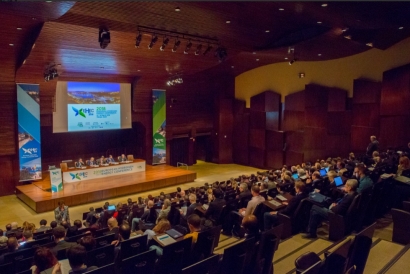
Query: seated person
(101, 161)
(191, 208)
(271, 218)
(364, 180)
(59, 238)
(79, 163)
(251, 226)
(314, 183)
(74, 230)
(318, 214)
(162, 226)
(122, 158)
(145, 217)
(43, 226)
(76, 256)
(215, 207)
(404, 165)
(124, 234)
(234, 217)
(243, 191)
(110, 159)
(92, 162)
(166, 207)
(113, 227)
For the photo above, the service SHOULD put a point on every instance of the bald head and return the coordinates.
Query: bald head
(112, 222)
(150, 204)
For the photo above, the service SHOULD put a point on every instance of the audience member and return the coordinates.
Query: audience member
(88, 242)
(59, 234)
(113, 227)
(373, 146)
(215, 207)
(12, 246)
(45, 260)
(76, 256)
(251, 226)
(90, 219)
(243, 191)
(61, 213)
(318, 214)
(166, 207)
(43, 226)
(162, 226)
(144, 217)
(53, 224)
(404, 164)
(73, 230)
(364, 180)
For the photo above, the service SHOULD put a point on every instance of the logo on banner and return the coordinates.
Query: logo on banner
(29, 150)
(55, 173)
(78, 176)
(159, 141)
(82, 112)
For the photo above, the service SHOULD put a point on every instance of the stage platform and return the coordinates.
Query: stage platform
(39, 197)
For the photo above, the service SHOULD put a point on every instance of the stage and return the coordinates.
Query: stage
(39, 197)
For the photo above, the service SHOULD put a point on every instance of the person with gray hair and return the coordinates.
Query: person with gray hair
(166, 207)
(144, 217)
(244, 191)
(191, 208)
(318, 214)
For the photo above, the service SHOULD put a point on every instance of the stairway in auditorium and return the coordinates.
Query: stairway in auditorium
(385, 256)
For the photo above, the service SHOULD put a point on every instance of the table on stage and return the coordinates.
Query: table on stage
(88, 173)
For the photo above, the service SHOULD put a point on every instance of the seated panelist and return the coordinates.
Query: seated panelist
(110, 160)
(80, 163)
(92, 162)
(122, 158)
(101, 161)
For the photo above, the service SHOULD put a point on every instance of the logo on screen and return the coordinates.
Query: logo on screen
(78, 176)
(82, 112)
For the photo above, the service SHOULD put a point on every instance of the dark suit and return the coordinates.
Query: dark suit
(72, 231)
(215, 208)
(90, 217)
(318, 214)
(191, 209)
(293, 204)
(114, 230)
(122, 159)
(245, 193)
(373, 146)
(60, 246)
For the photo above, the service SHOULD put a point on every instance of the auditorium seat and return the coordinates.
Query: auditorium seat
(143, 263)
(209, 265)
(267, 246)
(401, 226)
(173, 257)
(19, 255)
(336, 261)
(75, 238)
(7, 268)
(23, 265)
(101, 256)
(294, 224)
(314, 269)
(133, 246)
(107, 269)
(305, 261)
(205, 244)
(104, 240)
(236, 258)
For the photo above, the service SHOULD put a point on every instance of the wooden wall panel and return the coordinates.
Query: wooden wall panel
(316, 96)
(394, 131)
(257, 119)
(316, 117)
(295, 101)
(8, 118)
(339, 123)
(311, 155)
(267, 101)
(274, 159)
(338, 145)
(366, 92)
(9, 174)
(295, 141)
(314, 138)
(256, 157)
(336, 99)
(275, 140)
(293, 120)
(257, 138)
(395, 93)
(366, 115)
(293, 158)
(360, 137)
(240, 140)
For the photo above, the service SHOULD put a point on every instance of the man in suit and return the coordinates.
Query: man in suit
(191, 209)
(80, 163)
(90, 219)
(271, 218)
(244, 191)
(77, 256)
(101, 161)
(314, 183)
(122, 158)
(110, 160)
(318, 214)
(113, 227)
(373, 146)
(215, 207)
(59, 234)
(144, 217)
(73, 230)
(92, 162)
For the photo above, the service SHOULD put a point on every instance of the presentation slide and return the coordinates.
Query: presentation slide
(93, 106)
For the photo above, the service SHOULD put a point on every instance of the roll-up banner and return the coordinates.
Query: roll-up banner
(158, 127)
(28, 110)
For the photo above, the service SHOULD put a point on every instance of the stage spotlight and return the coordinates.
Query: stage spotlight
(292, 61)
(138, 40)
(164, 44)
(104, 38)
(188, 47)
(153, 41)
(198, 49)
(208, 49)
(176, 45)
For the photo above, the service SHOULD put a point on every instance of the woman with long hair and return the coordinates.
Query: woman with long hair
(44, 259)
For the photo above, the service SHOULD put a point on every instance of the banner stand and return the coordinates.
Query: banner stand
(158, 127)
(56, 180)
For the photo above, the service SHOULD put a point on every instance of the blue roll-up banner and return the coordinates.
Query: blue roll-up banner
(28, 110)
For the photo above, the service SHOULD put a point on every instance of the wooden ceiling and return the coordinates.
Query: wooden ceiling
(68, 35)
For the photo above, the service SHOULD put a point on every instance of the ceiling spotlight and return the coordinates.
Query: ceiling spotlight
(50, 73)
(177, 9)
(188, 47)
(228, 21)
(348, 36)
(281, 9)
(400, 27)
(319, 54)
(292, 61)
(104, 38)
(232, 66)
(19, 28)
(221, 53)
(291, 50)
(301, 75)
(208, 49)
(345, 29)
(324, 5)
(370, 44)
(164, 44)
(176, 45)
(11, 45)
(198, 49)
(257, 60)
(267, 31)
(153, 41)
(138, 40)
(319, 22)
(286, 58)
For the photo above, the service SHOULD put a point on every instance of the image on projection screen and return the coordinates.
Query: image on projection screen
(93, 106)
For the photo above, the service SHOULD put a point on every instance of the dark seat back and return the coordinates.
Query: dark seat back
(359, 252)
(23, 265)
(109, 268)
(401, 226)
(100, 232)
(62, 254)
(174, 216)
(314, 269)
(101, 256)
(104, 240)
(207, 266)
(174, 255)
(267, 246)
(143, 263)
(305, 261)
(236, 257)
(336, 261)
(133, 246)
(37, 243)
(7, 268)
(18, 255)
(46, 234)
(205, 244)
(74, 239)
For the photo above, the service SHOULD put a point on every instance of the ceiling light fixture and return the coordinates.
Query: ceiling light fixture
(257, 60)
(345, 29)
(301, 75)
(232, 67)
(370, 44)
(177, 9)
(319, 22)
(286, 58)
(176, 45)
(138, 40)
(50, 72)
(104, 37)
(228, 21)
(267, 31)
(281, 9)
(198, 49)
(319, 54)
(153, 41)
(208, 49)
(188, 47)
(11, 45)
(400, 27)
(254, 52)
(19, 28)
(348, 36)
(324, 5)
(164, 44)
(292, 61)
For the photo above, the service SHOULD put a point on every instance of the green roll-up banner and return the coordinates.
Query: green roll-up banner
(158, 127)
